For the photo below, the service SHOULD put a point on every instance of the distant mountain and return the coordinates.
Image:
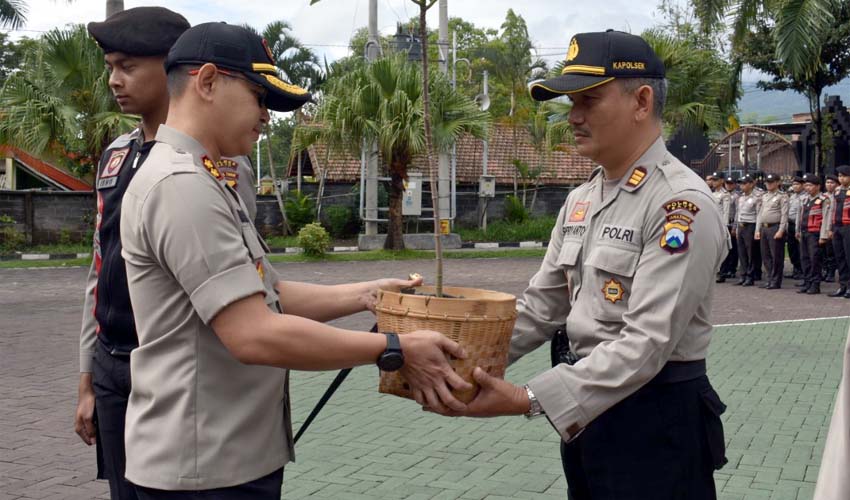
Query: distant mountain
(758, 106)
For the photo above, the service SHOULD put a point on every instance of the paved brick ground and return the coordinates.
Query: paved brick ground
(779, 381)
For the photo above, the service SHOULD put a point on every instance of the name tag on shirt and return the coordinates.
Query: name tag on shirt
(107, 183)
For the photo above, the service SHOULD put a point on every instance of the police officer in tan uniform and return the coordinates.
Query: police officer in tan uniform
(630, 267)
(771, 227)
(747, 215)
(796, 198)
(723, 198)
(209, 411)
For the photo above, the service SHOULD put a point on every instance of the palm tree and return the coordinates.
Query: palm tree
(12, 13)
(383, 102)
(298, 65)
(59, 103)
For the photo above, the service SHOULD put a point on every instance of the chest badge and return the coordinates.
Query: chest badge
(613, 291)
(114, 163)
(579, 211)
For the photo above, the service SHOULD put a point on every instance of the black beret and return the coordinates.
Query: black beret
(140, 31)
(811, 178)
(832, 177)
(843, 170)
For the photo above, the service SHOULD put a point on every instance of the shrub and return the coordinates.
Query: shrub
(11, 239)
(300, 209)
(515, 211)
(313, 239)
(340, 221)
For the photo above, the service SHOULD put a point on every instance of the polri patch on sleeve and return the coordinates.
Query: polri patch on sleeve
(676, 231)
(114, 163)
(675, 205)
(638, 175)
(211, 167)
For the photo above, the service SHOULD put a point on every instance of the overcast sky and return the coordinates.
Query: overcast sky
(328, 25)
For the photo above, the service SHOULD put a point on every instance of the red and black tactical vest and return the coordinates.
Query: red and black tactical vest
(842, 208)
(813, 215)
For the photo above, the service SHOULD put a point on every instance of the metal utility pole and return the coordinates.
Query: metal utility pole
(113, 7)
(373, 49)
(444, 182)
(483, 202)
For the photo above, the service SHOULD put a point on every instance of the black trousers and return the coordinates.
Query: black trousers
(793, 246)
(811, 255)
(730, 264)
(111, 381)
(746, 249)
(758, 261)
(266, 488)
(841, 248)
(773, 251)
(661, 443)
(829, 264)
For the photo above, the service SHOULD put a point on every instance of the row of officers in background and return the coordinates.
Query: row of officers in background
(763, 218)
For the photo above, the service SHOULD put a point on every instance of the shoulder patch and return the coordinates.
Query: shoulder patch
(675, 237)
(675, 205)
(579, 211)
(112, 166)
(637, 177)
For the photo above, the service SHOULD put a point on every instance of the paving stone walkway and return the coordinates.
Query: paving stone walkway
(779, 381)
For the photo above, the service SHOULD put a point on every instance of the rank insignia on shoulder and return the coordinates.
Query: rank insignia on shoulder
(114, 163)
(211, 167)
(613, 291)
(676, 230)
(229, 171)
(638, 174)
(579, 211)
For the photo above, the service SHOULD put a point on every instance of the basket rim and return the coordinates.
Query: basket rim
(487, 295)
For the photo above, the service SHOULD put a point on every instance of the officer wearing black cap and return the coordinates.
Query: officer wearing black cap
(747, 215)
(830, 265)
(841, 231)
(814, 225)
(729, 269)
(796, 197)
(771, 227)
(641, 340)
(209, 413)
(135, 43)
(724, 204)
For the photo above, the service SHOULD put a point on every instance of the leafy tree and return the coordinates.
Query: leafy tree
(383, 102)
(59, 103)
(13, 13)
(12, 54)
(833, 64)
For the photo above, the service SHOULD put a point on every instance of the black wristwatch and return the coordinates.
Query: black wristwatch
(392, 359)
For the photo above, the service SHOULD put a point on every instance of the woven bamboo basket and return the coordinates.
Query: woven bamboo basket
(481, 321)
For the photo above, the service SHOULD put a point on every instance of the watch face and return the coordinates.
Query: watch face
(391, 361)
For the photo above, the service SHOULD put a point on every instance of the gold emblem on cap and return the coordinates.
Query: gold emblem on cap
(572, 53)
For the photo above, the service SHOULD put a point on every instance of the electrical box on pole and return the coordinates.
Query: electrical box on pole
(412, 200)
(487, 186)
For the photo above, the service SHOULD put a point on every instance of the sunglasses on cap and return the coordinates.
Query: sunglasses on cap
(262, 92)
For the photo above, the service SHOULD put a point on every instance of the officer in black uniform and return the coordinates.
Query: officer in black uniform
(829, 262)
(814, 224)
(841, 231)
(135, 43)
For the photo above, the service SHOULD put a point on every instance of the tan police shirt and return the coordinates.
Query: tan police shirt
(632, 277)
(197, 418)
(748, 208)
(834, 475)
(724, 203)
(773, 210)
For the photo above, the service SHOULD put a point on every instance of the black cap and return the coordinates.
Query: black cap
(715, 175)
(811, 179)
(594, 59)
(745, 179)
(237, 49)
(140, 31)
(832, 177)
(772, 178)
(843, 170)
(797, 178)
(731, 180)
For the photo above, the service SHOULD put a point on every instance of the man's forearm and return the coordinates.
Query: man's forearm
(322, 302)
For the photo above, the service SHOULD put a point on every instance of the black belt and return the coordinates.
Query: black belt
(745, 224)
(680, 371)
(769, 224)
